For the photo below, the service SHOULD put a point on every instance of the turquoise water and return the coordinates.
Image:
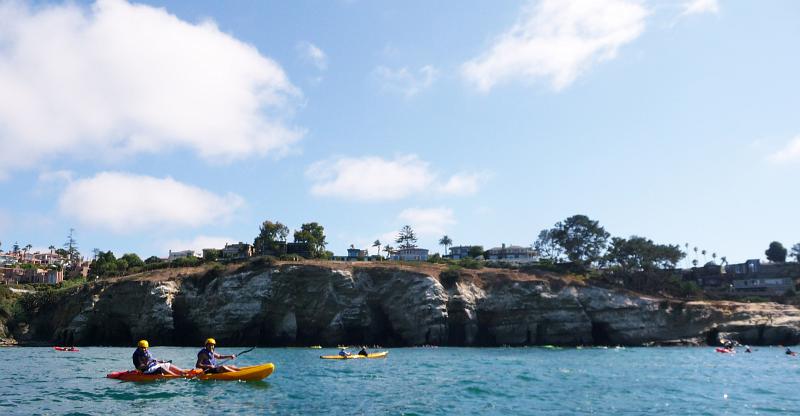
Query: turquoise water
(421, 381)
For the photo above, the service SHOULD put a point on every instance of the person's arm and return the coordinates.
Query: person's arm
(232, 356)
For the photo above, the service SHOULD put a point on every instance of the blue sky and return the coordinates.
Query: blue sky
(171, 125)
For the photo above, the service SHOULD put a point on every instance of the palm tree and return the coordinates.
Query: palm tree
(51, 248)
(377, 243)
(714, 257)
(695, 253)
(446, 242)
(694, 262)
(704, 255)
(388, 249)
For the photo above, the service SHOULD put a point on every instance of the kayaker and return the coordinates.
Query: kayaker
(344, 353)
(207, 359)
(363, 351)
(747, 349)
(789, 352)
(145, 362)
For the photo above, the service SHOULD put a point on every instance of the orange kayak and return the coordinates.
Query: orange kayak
(251, 373)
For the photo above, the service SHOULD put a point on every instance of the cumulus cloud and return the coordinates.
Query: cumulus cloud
(312, 53)
(122, 78)
(700, 7)
(197, 244)
(370, 178)
(373, 178)
(789, 153)
(404, 81)
(122, 202)
(557, 40)
(464, 183)
(428, 222)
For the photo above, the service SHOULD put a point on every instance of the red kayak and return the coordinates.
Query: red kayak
(67, 349)
(725, 351)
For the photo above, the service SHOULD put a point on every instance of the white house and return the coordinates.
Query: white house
(410, 254)
(512, 254)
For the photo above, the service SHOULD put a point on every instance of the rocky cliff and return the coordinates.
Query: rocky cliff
(337, 303)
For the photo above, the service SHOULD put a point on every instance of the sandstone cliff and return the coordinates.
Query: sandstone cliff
(338, 303)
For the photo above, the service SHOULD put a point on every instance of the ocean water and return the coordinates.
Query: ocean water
(415, 381)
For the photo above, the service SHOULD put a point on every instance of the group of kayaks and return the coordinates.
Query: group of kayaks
(251, 373)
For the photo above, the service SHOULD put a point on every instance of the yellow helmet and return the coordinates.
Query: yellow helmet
(143, 344)
(211, 341)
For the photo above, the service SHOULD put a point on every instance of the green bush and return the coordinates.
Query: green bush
(470, 263)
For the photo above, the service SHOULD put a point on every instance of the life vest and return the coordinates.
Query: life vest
(207, 357)
(140, 357)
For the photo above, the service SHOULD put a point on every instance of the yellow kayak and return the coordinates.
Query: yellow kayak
(316, 347)
(252, 373)
(381, 354)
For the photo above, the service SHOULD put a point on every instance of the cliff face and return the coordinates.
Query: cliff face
(302, 304)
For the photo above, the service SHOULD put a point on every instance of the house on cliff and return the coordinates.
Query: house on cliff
(410, 254)
(512, 254)
(237, 251)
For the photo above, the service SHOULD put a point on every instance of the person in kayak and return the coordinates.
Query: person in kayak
(344, 353)
(789, 351)
(207, 359)
(145, 362)
(363, 351)
(747, 349)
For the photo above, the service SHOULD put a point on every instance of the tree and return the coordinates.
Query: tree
(312, 234)
(51, 248)
(582, 239)
(446, 242)
(270, 236)
(71, 245)
(639, 253)
(776, 252)
(694, 262)
(703, 252)
(377, 243)
(388, 249)
(406, 238)
(132, 260)
(796, 252)
(153, 260)
(475, 251)
(547, 247)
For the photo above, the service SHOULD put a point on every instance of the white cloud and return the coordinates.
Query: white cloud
(197, 244)
(121, 78)
(428, 222)
(557, 40)
(56, 176)
(700, 6)
(789, 153)
(405, 82)
(464, 183)
(370, 178)
(123, 203)
(312, 53)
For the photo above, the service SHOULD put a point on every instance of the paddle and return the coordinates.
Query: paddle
(243, 352)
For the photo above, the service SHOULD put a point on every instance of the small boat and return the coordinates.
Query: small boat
(725, 351)
(381, 354)
(66, 349)
(251, 373)
(316, 347)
